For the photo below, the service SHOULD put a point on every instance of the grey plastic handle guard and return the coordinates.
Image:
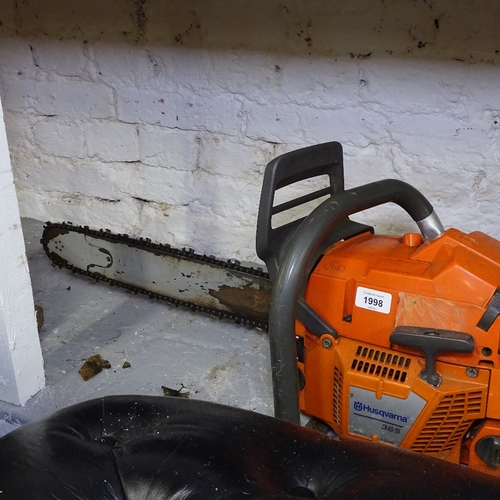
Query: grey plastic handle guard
(298, 262)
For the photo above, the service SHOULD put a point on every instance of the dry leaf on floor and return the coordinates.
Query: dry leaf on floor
(93, 366)
(167, 391)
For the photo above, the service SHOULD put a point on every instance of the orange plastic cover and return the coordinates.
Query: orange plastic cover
(367, 286)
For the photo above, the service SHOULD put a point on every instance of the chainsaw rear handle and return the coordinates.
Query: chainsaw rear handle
(297, 264)
(290, 168)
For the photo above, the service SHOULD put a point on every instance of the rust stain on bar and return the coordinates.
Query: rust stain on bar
(246, 300)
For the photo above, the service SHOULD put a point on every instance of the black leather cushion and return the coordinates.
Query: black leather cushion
(142, 447)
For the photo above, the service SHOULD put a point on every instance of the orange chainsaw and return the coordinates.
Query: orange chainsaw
(391, 339)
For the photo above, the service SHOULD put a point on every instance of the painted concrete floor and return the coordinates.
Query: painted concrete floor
(165, 346)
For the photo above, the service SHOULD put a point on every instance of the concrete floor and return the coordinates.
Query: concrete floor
(165, 346)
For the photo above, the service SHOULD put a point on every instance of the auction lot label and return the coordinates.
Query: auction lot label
(374, 300)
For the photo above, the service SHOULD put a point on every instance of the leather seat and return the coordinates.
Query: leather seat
(145, 447)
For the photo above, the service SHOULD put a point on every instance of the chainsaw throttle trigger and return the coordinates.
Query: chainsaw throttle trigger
(491, 313)
(431, 342)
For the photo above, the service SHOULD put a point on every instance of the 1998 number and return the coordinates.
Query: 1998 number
(374, 302)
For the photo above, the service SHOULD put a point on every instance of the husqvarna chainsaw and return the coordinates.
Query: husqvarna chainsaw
(391, 339)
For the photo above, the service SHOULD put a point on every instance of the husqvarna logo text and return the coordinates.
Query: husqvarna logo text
(360, 406)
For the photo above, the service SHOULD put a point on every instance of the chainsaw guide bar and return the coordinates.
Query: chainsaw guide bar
(221, 289)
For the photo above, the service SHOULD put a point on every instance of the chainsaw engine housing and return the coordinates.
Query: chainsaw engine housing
(415, 360)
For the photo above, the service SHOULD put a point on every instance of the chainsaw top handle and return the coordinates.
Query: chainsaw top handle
(298, 259)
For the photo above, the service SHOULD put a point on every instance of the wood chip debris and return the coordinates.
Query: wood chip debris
(93, 366)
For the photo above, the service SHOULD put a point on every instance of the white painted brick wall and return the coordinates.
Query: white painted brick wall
(112, 141)
(64, 98)
(157, 118)
(56, 138)
(168, 148)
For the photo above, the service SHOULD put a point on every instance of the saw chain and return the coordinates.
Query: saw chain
(181, 277)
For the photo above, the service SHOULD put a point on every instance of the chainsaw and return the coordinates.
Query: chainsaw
(391, 339)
